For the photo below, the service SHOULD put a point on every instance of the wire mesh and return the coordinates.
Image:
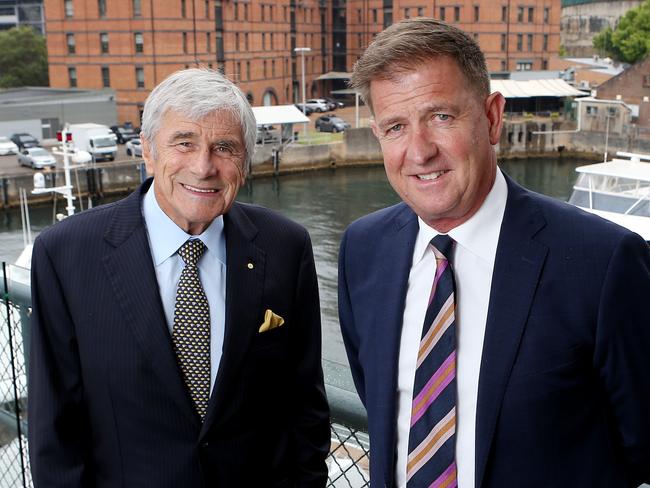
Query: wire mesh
(348, 461)
(14, 464)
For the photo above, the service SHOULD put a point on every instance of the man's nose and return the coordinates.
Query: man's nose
(421, 145)
(203, 164)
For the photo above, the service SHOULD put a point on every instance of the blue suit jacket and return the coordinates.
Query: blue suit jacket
(564, 386)
(107, 404)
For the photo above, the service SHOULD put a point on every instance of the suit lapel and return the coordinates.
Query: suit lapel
(517, 268)
(131, 273)
(245, 264)
(394, 253)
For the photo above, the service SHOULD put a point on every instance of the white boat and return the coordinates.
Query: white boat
(618, 190)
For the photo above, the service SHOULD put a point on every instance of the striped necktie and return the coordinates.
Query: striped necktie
(431, 459)
(191, 332)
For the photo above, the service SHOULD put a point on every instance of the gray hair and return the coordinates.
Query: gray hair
(405, 45)
(196, 93)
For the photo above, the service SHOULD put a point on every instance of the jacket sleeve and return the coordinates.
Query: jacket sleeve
(58, 425)
(311, 430)
(622, 353)
(346, 320)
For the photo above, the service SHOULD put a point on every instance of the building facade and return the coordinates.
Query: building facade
(22, 12)
(581, 20)
(130, 46)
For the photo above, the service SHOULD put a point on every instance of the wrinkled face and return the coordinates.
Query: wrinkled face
(436, 134)
(198, 167)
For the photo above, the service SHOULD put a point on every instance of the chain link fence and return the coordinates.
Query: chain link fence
(14, 464)
(347, 462)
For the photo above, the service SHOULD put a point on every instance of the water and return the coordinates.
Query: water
(325, 202)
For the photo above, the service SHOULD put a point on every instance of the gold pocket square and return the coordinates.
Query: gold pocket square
(271, 321)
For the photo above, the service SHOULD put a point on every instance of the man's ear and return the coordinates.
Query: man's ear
(147, 155)
(494, 107)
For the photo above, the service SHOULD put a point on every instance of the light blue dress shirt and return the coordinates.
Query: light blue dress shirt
(165, 238)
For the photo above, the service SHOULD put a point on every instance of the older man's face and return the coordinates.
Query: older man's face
(198, 167)
(436, 135)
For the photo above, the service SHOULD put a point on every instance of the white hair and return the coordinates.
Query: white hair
(196, 93)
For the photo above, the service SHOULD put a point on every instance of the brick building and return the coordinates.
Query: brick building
(130, 46)
(631, 86)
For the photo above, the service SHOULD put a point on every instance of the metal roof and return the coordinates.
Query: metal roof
(278, 114)
(534, 88)
(335, 75)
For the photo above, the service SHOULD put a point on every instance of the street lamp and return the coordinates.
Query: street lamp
(302, 51)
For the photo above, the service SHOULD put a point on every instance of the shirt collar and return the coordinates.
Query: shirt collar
(478, 235)
(165, 237)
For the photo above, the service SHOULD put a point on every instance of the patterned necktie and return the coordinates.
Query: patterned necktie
(191, 332)
(431, 459)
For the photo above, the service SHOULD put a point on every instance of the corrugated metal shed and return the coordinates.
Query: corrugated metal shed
(534, 88)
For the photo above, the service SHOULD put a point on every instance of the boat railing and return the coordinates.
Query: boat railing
(349, 452)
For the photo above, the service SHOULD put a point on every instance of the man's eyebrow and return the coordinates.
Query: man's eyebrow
(182, 135)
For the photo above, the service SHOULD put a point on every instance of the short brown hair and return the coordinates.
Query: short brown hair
(403, 46)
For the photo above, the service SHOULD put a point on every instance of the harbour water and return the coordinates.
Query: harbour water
(325, 202)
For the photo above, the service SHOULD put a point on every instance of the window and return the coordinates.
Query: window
(520, 14)
(591, 110)
(524, 66)
(611, 111)
(359, 42)
(388, 17)
(359, 15)
(138, 39)
(475, 35)
(504, 13)
(235, 8)
(69, 8)
(456, 14)
(503, 42)
(442, 13)
(72, 77)
(183, 9)
(646, 80)
(139, 77)
(207, 9)
(407, 13)
(504, 66)
(264, 64)
(271, 13)
(273, 68)
(544, 64)
(545, 42)
(245, 11)
(246, 41)
(547, 12)
(237, 41)
(420, 11)
(103, 42)
(137, 8)
(185, 42)
(284, 13)
(263, 12)
(248, 70)
(529, 42)
(271, 39)
(106, 77)
(531, 12)
(520, 42)
(101, 7)
(238, 75)
(263, 40)
(208, 42)
(476, 13)
(69, 38)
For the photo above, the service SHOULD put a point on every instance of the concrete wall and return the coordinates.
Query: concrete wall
(361, 145)
(31, 126)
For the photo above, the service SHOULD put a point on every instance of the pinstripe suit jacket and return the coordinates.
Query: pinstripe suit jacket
(107, 405)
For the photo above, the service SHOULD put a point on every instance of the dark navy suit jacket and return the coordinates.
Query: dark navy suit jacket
(107, 404)
(564, 385)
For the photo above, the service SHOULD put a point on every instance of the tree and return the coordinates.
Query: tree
(23, 58)
(630, 40)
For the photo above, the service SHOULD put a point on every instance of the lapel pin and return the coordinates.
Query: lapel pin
(250, 266)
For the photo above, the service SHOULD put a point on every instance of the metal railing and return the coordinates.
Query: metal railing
(347, 462)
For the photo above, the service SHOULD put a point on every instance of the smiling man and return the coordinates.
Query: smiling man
(497, 338)
(176, 333)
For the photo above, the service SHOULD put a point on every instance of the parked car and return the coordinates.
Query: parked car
(328, 123)
(318, 105)
(266, 133)
(124, 133)
(36, 158)
(334, 103)
(134, 148)
(24, 140)
(7, 146)
(308, 109)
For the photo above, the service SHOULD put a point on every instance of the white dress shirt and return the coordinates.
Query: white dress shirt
(165, 238)
(473, 261)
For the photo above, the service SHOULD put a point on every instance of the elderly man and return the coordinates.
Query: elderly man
(176, 333)
(498, 338)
